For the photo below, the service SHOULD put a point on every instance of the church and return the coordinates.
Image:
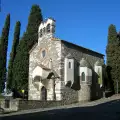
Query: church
(60, 70)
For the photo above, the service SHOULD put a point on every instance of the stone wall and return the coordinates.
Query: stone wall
(58, 50)
(70, 95)
(78, 53)
(13, 105)
(16, 105)
(53, 49)
(85, 93)
(26, 105)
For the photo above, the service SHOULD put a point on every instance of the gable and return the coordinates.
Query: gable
(34, 46)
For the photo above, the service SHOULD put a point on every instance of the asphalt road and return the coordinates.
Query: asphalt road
(105, 111)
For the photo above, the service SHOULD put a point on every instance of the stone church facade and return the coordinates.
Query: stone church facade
(60, 70)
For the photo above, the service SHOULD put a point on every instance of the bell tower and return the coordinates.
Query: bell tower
(46, 29)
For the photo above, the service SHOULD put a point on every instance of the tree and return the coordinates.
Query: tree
(30, 37)
(3, 52)
(112, 52)
(13, 54)
(118, 61)
(34, 20)
(20, 69)
(0, 40)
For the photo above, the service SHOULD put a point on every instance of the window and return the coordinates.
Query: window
(70, 66)
(41, 33)
(43, 53)
(53, 28)
(48, 28)
(83, 76)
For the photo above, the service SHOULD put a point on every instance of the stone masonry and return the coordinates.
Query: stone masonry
(47, 69)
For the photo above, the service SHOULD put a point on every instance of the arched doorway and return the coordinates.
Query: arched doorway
(43, 93)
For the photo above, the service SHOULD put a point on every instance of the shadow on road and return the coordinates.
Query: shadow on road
(105, 111)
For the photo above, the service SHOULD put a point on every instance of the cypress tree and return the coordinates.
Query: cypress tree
(13, 54)
(3, 52)
(34, 20)
(118, 61)
(30, 37)
(112, 55)
(0, 40)
(20, 69)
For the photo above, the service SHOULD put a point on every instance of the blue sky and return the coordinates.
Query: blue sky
(83, 22)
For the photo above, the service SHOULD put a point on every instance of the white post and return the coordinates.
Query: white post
(5, 89)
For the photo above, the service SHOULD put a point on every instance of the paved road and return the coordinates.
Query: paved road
(105, 111)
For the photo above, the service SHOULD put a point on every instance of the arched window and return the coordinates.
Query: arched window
(41, 33)
(70, 66)
(83, 76)
(48, 28)
(53, 28)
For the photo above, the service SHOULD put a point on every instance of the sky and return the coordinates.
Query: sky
(83, 22)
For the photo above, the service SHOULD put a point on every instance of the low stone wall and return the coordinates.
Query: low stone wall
(34, 104)
(12, 105)
(70, 95)
(16, 104)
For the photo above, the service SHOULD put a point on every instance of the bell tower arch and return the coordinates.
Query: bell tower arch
(46, 29)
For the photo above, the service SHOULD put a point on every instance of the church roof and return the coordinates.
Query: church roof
(83, 48)
(47, 72)
(69, 43)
